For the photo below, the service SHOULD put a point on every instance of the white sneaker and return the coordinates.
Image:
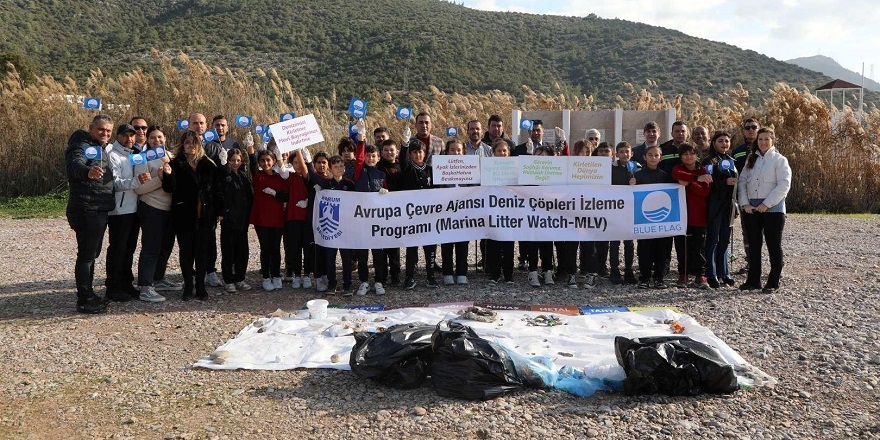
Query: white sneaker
(296, 282)
(213, 280)
(448, 280)
(268, 286)
(307, 282)
(230, 288)
(461, 279)
(149, 294)
(572, 281)
(321, 285)
(363, 289)
(534, 281)
(277, 283)
(380, 289)
(548, 277)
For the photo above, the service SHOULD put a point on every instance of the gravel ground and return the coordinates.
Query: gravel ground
(126, 374)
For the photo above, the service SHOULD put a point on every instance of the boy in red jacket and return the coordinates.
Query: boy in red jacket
(691, 252)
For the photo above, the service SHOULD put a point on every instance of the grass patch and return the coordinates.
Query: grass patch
(48, 206)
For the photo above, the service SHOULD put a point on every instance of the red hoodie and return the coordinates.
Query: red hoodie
(696, 193)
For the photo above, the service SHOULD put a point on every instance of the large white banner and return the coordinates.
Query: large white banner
(355, 220)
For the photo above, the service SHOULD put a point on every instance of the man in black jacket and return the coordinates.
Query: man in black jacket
(90, 180)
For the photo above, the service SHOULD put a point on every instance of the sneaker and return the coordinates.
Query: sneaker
(379, 288)
(230, 288)
(148, 294)
(644, 285)
(769, 289)
(331, 288)
(306, 282)
(461, 279)
(296, 282)
(728, 281)
(347, 291)
(590, 281)
(509, 282)
(164, 285)
(534, 281)
(241, 285)
(91, 305)
(701, 283)
(630, 278)
(448, 280)
(268, 286)
(745, 287)
(213, 280)
(409, 284)
(572, 281)
(548, 278)
(713, 282)
(660, 284)
(682, 281)
(277, 283)
(493, 281)
(321, 284)
(431, 283)
(363, 289)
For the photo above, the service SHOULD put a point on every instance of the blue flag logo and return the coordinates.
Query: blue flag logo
(632, 166)
(92, 152)
(137, 159)
(182, 124)
(286, 116)
(660, 206)
(526, 124)
(209, 135)
(243, 121)
(726, 165)
(404, 113)
(709, 168)
(154, 153)
(92, 103)
(259, 129)
(357, 108)
(451, 132)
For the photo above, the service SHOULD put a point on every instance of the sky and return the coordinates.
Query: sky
(846, 31)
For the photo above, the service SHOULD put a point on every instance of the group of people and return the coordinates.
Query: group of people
(193, 186)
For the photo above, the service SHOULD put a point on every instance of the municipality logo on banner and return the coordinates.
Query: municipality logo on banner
(656, 207)
(328, 218)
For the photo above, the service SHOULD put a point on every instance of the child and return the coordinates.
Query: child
(499, 254)
(601, 256)
(391, 167)
(652, 251)
(620, 175)
(337, 182)
(267, 216)
(417, 174)
(460, 249)
(319, 170)
(588, 249)
(298, 227)
(239, 195)
(698, 184)
(346, 149)
(542, 248)
(367, 178)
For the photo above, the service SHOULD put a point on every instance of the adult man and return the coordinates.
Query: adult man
(90, 199)
(669, 149)
(380, 135)
(122, 221)
(140, 132)
(495, 131)
(433, 144)
(750, 129)
(536, 139)
(474, 144)
(651, 133)
(199, 124)
(700, 139)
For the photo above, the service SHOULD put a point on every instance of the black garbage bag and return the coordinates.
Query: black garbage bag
(469, 367)
(399, 357)
(673, 365)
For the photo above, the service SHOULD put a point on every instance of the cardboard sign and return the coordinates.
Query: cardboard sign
(296, 134)
(543, 170)
(456, 169)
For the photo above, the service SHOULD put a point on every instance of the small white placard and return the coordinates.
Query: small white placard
(297, 133)
(455, 169)
(589, 170)
(543, 170)
(499, 171)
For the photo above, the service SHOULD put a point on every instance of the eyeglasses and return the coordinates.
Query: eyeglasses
(140, 127)
(750, 127)
(592, 139)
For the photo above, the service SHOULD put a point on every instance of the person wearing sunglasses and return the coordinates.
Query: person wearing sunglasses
(140, 132)
(750, 129)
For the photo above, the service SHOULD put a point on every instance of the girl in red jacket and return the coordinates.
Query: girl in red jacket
(267, 216)
(692, 251)
(298, 232)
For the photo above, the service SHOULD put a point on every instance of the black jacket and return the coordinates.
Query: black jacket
(415, 178)
(87, 194)
(722, 200)
(647, 176)
(196, 195)
(238, 196)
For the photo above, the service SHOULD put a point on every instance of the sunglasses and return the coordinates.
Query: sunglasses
(140, 127)
(750, 127)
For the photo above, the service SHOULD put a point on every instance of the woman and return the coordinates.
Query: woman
(722, 210)
(763, 186)
(196, 188)
(154, 214)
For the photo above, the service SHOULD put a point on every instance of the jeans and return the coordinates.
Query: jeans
(122, 232)
(718, 250)
(164, 252)
(154, 222)
(760, 227)
(236, 252)
(89, 227)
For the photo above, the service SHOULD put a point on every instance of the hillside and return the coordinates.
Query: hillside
(829, 67)
(354, 47)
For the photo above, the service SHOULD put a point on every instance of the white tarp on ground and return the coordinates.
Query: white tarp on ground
(583, 341)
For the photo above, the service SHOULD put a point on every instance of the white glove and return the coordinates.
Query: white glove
(284, 173)
(222, 156)
(307, 155)
(383, 191)
(269, 191)
(318, 187)
(407, 133)
(530, 146)
(560, 134)
(249, 140)
(361, 129)
(302, 203)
